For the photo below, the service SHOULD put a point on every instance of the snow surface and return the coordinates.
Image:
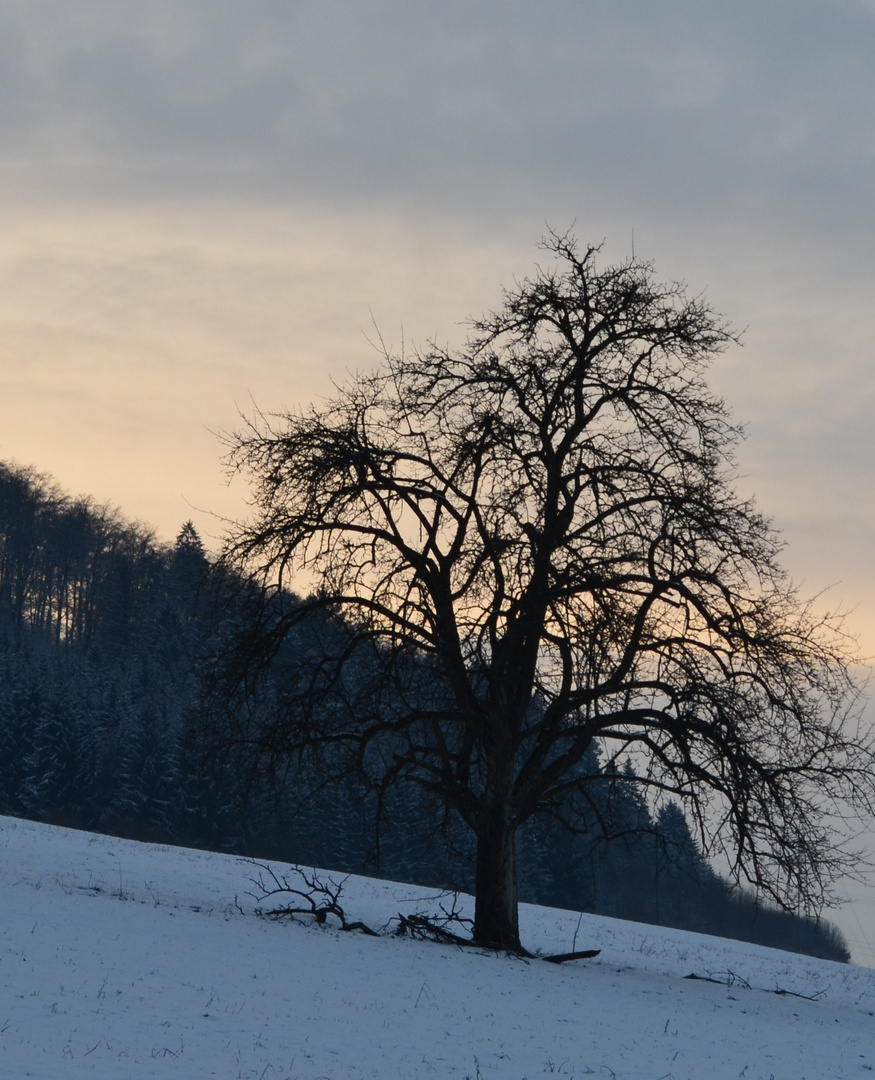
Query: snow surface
(120, 960)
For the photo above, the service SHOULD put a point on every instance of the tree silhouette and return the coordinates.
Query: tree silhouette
(532, 545)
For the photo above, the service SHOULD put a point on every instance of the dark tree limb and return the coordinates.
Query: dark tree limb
(310, 896)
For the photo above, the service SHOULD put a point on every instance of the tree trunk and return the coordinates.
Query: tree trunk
(496, 910)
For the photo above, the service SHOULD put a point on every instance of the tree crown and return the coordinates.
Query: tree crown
(546, 516)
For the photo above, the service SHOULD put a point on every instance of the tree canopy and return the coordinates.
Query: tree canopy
(539, 537)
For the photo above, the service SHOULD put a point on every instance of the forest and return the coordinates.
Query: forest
(110, 644)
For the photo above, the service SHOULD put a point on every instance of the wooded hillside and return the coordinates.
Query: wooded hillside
(108, 644)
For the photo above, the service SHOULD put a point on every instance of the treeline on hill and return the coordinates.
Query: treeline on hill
(108, 643)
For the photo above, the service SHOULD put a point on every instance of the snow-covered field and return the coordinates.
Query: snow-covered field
(123, 960)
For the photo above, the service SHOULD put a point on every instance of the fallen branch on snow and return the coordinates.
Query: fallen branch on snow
(729, 978)
(563, 958)
(318, 899)
(310, 896)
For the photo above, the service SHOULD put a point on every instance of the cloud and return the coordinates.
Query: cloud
(680, 106)
(217, 191)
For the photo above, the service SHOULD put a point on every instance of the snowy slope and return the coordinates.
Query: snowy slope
(123, 960)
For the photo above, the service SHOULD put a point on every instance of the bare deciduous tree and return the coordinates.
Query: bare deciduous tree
(546, 517)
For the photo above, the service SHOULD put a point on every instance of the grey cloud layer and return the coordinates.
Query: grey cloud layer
(761, 106)
(739, 138)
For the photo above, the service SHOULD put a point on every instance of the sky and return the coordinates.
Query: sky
(208, 206)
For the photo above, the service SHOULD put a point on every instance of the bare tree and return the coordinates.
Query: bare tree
(546, 519)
